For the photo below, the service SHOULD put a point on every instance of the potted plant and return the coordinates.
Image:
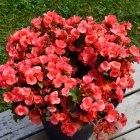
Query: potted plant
(70, 74)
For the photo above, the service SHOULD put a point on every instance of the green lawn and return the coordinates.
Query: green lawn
(16, 14)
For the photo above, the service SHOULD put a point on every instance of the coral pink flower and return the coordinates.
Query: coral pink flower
(65, 91)
(35, 117)
(104, 66)
(82, 27)
(46, 98)
(59, 80)
(70, 128)
(86, 103)
(25, 91)
(122, 82)
(112, 116)
(39, 76)
(110, 19)
(52, 74)
(130, 82)
(75, 33)
(31, 79)
(43, 59)
(113, 50)
(70, 82)
(21, 110)
(90, 39)
(120, 94)
(122, 121)
(54, 119)
(8, 97)
(60, 44)
(51, 109)
(134, 50)
(115, 65)
(47, 20)
(87, 79)
(98, 106)
(73, 20)
(36, 22)
(38, 99)
(11, 79)
(115, 73)
(54, 98)
(29, 100)
(104, 52)
(96, 91)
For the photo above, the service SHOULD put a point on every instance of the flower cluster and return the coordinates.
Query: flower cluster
(73, 70)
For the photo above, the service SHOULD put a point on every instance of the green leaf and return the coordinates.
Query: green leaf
(40, 84)
(76, 94)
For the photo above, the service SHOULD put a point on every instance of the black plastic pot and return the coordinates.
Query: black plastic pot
(55, 133)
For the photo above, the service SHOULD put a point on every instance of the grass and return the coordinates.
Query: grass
(16, 14)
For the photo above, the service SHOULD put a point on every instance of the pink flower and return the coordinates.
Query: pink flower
(65, 91)
(98, 106)
(43, 59)
(97, 93)
(112, 116)
(8, 97)
(115, 65)
(134, 50)
(52, 74)
(54, 98)
(82, 27)
(124, 52)
(70, 128)
(11, 79)
(55, 118)
(115, 73)
(38, 99)
(21, 110)
(104, 67)
(35, 117)
(122, 82)
(104, 52)
(90, 39)
(86, 103)
(75, 33)
(60, 44)
(47, 20)
(29, 100)
(39, 76)
(59, 80)
(36, 22)
(87, 79)
(113, 50)
(122, 121)
(120, 94)
(25, 91)
(30, 79)
(110, 19)
(51, 109)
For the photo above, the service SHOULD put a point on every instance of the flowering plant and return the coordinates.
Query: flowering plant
(70, 69)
